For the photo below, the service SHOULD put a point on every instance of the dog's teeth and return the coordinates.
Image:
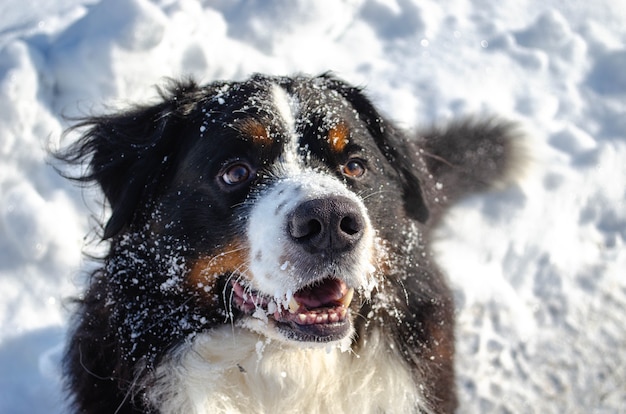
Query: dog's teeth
(321, 318)
(293, 305)
(347, 298)
(302, 317)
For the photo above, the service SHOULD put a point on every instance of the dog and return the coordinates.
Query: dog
(270, 251)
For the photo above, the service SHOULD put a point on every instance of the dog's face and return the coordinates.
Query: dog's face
(281, 192)
(286, 207)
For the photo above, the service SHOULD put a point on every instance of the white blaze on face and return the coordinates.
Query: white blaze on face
(273, 256)
(288, 108)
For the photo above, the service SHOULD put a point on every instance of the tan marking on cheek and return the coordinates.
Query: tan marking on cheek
(255, 130)
(338, 137)
(232, 258)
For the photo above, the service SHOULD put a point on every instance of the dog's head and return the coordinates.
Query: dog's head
(279, 189)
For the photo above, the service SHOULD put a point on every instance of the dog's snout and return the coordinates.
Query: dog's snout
(332, 224)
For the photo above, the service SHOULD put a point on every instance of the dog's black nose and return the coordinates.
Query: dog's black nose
(331, 224)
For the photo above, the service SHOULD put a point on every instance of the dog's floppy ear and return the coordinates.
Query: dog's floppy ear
(127, 152)
(473, 155)
(394, 146)
(407, 162)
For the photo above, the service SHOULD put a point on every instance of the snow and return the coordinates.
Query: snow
(538, 269)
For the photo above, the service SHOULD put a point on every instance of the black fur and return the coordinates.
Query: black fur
(156, 172)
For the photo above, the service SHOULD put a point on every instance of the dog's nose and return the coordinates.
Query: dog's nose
(331, 224)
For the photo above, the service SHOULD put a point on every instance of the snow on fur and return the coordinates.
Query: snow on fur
(538, 269)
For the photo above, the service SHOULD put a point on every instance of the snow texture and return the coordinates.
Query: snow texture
(539, 270)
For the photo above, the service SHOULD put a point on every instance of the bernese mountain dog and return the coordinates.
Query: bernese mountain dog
(269, 252)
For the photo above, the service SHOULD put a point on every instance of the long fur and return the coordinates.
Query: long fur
(159, 328)
(259, 377)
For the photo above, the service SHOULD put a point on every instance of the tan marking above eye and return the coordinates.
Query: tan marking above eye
(339, 137)
(254, 129)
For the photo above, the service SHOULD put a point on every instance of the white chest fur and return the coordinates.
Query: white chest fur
(233, 370)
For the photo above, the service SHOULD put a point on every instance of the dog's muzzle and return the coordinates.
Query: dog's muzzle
(311, 249)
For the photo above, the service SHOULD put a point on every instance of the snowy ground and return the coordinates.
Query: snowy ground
(539, 270)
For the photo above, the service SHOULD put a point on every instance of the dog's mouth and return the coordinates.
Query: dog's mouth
(317, 313)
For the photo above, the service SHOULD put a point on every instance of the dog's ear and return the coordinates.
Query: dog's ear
(395, 147)
(406, 159)
(470, 155)
(128, 152)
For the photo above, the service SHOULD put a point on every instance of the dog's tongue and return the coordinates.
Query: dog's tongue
(326, 294)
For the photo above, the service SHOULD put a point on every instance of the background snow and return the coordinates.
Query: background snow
(539, 270)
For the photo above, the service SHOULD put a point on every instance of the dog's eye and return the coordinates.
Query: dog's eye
(236, 173)
(354, 168)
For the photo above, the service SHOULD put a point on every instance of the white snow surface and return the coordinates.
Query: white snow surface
(539, 270)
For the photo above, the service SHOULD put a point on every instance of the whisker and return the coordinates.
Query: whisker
(438, 158)
(379, 192)
(223, 254)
